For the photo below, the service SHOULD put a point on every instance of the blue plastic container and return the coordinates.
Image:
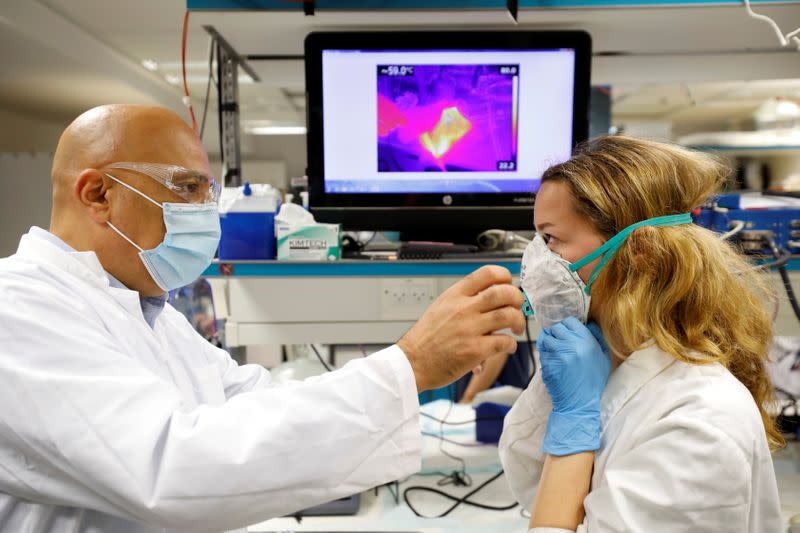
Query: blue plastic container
(247, 236)
(248, 228)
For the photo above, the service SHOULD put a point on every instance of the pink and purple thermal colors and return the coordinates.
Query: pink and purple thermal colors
(447, 118)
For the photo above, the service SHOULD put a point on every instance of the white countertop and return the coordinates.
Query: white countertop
(381, 514)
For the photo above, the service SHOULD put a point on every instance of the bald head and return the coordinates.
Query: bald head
(113, 133)
(86, 199)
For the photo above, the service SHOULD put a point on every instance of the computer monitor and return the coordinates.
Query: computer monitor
(424, 131)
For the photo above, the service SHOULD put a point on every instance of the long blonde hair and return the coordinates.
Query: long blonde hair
(681, 286)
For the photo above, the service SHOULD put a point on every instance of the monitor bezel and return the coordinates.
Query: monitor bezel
(360, 210)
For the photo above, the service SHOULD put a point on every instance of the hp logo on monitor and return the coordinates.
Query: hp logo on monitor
(447, 199)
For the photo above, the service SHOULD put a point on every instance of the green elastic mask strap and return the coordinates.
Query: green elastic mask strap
(610, 247)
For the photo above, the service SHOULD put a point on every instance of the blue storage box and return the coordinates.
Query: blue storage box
(247, 219)
(247, 236)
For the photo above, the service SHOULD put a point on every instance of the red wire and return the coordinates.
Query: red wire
(183, 65)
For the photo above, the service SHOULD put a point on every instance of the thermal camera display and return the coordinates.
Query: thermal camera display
(445, 121)
(447, 118)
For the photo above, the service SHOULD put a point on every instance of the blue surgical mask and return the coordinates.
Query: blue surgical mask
(189, 245)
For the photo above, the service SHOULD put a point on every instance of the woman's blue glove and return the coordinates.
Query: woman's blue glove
(575, 369)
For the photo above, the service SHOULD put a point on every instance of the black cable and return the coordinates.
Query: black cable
(787, 284)
(463, 422)
(321, 360)
(395, 493)
(530, 351)
(457, 477)
(783, 255)
(211, 48)
(778, 263)
(464, 500)
(426, 474)
(781, 258)
(451, 441)
(366, 243)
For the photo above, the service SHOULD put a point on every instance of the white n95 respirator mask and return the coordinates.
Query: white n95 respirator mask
(553, 290)
(551, 285)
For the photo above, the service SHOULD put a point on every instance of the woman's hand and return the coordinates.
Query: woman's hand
(483, 377)
(575, 369)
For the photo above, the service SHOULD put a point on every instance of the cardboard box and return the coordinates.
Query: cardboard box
(310, 242)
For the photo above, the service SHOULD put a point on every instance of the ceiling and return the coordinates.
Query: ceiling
(695, 67)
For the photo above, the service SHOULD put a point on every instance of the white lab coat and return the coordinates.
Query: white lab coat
(683, 449)
(107, 425)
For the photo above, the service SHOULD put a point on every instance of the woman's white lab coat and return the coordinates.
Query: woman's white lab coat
(683, 450)
(109, 425)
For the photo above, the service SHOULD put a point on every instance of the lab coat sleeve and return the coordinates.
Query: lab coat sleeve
(85, 425)
(683, 475)
(520, 444)
(237, 378)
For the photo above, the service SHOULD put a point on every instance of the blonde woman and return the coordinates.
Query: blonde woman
(652, 417)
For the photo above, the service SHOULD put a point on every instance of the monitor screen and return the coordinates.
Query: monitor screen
(445, 121)
(440, 129)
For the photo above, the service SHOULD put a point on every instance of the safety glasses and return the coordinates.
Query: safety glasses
(193, 186)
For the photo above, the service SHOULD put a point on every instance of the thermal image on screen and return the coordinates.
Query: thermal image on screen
(447, 118)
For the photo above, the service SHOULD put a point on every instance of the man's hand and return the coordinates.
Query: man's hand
(457, 332)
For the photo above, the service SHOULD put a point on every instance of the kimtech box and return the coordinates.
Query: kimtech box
(309, 242)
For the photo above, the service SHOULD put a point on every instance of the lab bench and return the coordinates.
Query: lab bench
(376, 302)
(381, 512)
(357, 301)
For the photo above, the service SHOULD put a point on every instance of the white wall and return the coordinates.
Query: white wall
(22, 133)
(288, 148)
(26, 156)
(258, 171)
(26, 197)
(270, 159)
(654, 130)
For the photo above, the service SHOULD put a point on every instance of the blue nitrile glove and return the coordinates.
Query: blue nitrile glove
(575, 369)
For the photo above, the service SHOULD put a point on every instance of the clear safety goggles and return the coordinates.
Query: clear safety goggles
(193, 186)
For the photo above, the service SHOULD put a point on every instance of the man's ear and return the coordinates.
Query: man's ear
(91, 190)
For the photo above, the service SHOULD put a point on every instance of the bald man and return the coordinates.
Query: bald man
(115, 415)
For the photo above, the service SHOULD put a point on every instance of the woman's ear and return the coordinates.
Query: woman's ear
(91, 190)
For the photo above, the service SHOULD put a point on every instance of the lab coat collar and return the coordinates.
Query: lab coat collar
(83, 265)
(151, 306)
(630, 376)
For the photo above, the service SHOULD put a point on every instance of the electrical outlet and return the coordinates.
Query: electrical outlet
(406, 298)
